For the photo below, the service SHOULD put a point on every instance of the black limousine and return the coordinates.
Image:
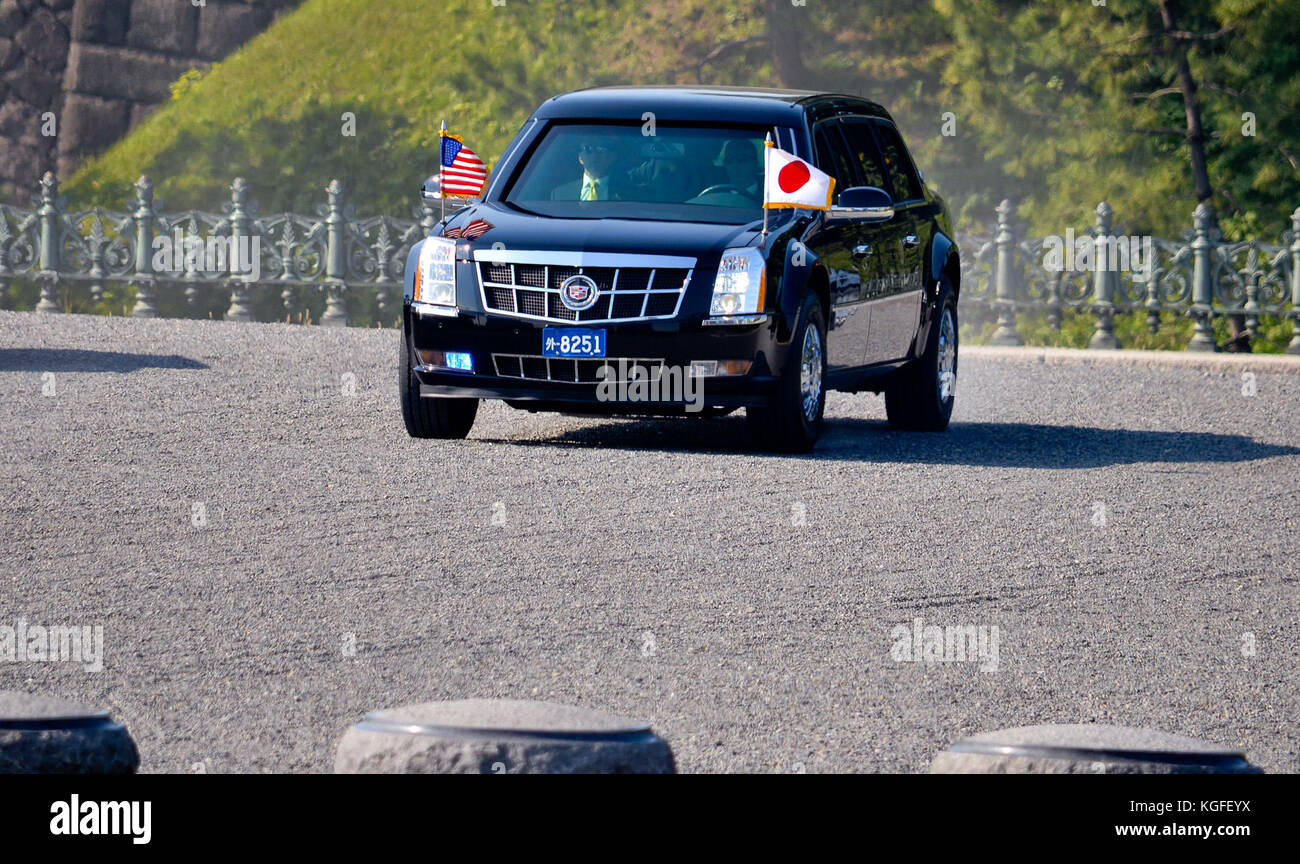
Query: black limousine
(619, 261)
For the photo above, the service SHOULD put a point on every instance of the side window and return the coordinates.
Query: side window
(906, 184)
(863, 145)
(831, 157)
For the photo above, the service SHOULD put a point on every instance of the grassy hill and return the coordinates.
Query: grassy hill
(273, 112)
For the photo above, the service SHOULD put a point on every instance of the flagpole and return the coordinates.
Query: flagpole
(442, 179)
(767, 164)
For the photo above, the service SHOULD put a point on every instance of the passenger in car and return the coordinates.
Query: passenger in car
(599, 181)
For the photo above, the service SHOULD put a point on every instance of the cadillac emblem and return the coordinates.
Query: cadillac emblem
(579, 292)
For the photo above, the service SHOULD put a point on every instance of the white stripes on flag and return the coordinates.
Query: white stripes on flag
(466, 175)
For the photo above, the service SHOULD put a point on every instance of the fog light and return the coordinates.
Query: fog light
(704, 368)
(455, 361)
(460, 361)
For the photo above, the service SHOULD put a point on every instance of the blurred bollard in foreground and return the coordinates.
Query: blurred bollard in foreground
(1088, 749)
(500, 736)
(41, 735)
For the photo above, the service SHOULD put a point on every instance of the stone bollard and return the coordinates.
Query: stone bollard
(1088, 749)
(41, 735)
(500, 736)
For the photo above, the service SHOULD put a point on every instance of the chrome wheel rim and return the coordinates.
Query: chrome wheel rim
(947, 357)
(810, 372)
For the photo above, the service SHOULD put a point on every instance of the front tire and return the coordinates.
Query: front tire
(922, 397)
(792, 421)
(430, 418)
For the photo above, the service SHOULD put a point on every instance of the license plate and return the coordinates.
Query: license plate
(572, 342)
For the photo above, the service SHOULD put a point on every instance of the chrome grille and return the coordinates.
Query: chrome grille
(582, 371)
(632, 287)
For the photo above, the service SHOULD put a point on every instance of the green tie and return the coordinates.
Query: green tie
(590, 190)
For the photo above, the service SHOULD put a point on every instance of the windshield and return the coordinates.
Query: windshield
(616, 171)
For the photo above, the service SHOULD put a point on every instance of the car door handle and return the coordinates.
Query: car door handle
(861, 252)
(911, 241)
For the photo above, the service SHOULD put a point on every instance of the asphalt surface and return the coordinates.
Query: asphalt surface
(1131, 532)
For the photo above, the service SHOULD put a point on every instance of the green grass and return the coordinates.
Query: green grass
(1132, 329)
(273, 111)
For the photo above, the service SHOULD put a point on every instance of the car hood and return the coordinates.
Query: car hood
(513, 229)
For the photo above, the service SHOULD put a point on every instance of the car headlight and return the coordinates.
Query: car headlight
(435, 276)
(740, 284)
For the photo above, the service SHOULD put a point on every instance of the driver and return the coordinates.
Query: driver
(739, 163)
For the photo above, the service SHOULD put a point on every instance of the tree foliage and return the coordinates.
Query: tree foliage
(1057, 104)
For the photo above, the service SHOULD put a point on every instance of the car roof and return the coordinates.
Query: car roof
(690, 103)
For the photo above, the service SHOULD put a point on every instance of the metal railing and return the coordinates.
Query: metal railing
(1203, 276)
(73, 254)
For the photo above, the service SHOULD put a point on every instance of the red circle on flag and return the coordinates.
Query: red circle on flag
(792, 176)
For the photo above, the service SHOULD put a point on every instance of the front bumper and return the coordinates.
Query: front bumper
(678, 343)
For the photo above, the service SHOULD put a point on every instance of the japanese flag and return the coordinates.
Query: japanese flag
(791, 182)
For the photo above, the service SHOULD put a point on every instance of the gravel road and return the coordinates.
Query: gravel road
(270, 556)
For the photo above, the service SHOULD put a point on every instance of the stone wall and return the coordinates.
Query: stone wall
(100, 67)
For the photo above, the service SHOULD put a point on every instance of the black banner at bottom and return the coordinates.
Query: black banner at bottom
(305, 813)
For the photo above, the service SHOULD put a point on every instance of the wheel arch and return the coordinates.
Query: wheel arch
(945, 261)
(796, 283)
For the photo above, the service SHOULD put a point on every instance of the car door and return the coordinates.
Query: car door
(886, 240)
(896, 316)
(839, 245)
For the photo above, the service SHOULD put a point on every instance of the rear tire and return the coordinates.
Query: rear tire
(430, 418)
(792, 420)
(922, 397)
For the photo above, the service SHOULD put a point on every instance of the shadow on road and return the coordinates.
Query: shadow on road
(77, 360)
(997, 445)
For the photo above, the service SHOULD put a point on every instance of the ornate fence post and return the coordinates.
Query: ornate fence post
(48, 214)
(1103, 281)
(1203, 280)
(1294, 347)
(142, 213)
(336, 314)
(239, 309)
(1005, 275)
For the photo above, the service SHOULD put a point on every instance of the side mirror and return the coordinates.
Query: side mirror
(863, 202)
(431, 189)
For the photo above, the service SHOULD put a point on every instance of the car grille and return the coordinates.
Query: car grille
(563, 369)
(531, 288)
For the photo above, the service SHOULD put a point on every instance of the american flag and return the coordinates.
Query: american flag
(463, 173)
(477, 228)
